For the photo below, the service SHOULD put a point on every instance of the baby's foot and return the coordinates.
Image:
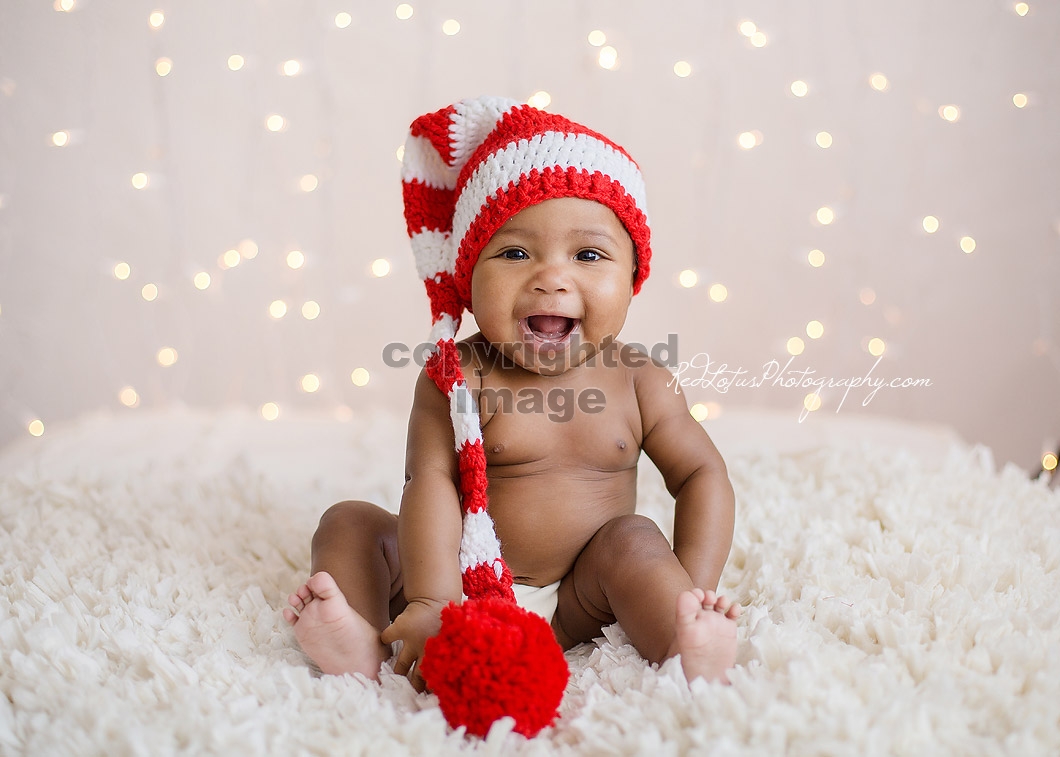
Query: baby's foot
(706, 634)
(331, 632)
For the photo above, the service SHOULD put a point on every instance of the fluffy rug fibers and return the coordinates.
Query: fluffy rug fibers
(891, 606)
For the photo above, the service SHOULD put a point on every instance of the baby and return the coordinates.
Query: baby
(538, 226)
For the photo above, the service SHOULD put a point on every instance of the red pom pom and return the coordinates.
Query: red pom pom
(492, 658)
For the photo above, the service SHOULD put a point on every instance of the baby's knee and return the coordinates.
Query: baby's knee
(355, 516)
(632, 535)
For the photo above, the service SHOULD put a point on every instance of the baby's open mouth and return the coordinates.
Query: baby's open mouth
(550, 328)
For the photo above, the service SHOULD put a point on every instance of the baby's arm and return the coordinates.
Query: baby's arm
(429, 526)
(694, 472)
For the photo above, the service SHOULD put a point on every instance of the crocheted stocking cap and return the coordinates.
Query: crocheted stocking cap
(466, 170)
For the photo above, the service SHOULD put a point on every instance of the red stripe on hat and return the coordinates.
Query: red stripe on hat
(473, 481)
(429, 208)
(551, 183)
(435, 127)
(441, 290)
(480, 581)
(443, 367)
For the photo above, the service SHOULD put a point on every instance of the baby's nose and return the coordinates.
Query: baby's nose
(551, 277)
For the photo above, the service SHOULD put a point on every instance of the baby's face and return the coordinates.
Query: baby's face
(554, 283)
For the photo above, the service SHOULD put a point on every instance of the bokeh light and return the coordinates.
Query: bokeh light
(718, 292)
(687, 278)
(359, 377)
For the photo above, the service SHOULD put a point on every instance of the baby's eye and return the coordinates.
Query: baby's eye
(513, 254)
(588, 255)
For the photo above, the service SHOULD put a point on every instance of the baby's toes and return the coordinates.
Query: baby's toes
(688, 607)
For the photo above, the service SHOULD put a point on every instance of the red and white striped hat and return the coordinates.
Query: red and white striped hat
(466, 170)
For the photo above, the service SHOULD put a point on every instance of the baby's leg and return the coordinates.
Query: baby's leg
(353, 592)
(629, 573)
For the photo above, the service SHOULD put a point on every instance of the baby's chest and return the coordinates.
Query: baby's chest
(591, 427)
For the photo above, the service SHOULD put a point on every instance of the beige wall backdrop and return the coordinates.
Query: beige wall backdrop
(200, 202)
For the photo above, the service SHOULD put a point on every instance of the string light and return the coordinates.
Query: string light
(597, 38)
(876, 347)
(156, 19)
(122, 271)
(310, 310)
(540, 100)
(275, 122)
(750, 139)
(149, 292)
(814, 329)
(201, 280)
(166, 357)
(608, 57)
(825, 215)
(380, 267)
(687, 278)
(812, 402)
(400, 152)
(1019, 100)
(1021, 9)
(404, 11)
(295, 259)
(795, 346)
(748, 28)
(1049, 461)
(799, 88)
(342, 20)
(931, 224)
(359, 377)
(867, 296)
(277, 309)
(450, 27)
(310, 383)
(235, 62)
(128, 397)
(968, 245)
(308, 183)
(823, 139)
(879, 82)
(36, 427)
(230, 259)
(291, 68)
(270, 411)
(139, 180)
(163, 66)
(63, 6)
(61, 138)
(683, 68)
(758, 39)
(950, 113)
(248, 249)
(718, 292)
(699, 412)
(815, 258)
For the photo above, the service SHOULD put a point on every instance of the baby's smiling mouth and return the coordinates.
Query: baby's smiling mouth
(550, 328)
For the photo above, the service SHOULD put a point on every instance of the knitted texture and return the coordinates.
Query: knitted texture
(466, 170)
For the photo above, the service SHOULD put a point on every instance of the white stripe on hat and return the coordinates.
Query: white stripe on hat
(462, 410)
(551, 149)
(471, 123)
(421, 162)
(479, 543)
(434, 253)
(443, 329)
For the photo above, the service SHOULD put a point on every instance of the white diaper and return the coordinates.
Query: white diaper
(538, 599)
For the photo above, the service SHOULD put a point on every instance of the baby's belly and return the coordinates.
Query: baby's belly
(544, 521)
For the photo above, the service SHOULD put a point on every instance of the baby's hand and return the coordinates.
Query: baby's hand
(420, 621)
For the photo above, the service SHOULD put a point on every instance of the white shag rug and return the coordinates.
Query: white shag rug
(895, 603)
